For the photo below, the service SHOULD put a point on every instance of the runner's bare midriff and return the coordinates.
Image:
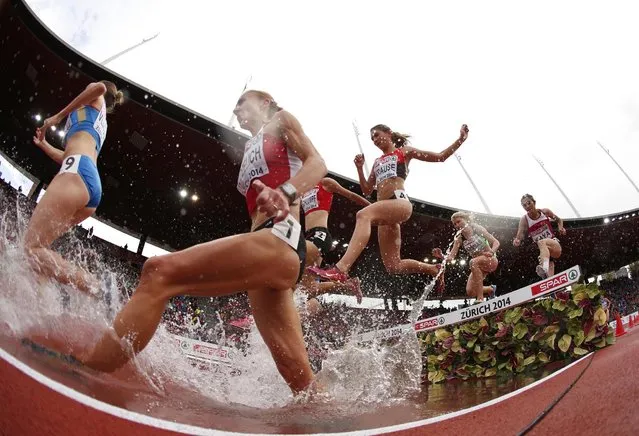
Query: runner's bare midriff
(387, 188)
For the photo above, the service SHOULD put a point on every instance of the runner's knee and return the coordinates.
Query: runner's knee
(157, 274)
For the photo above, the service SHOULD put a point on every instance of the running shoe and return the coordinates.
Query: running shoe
(541, 272)
(332, 274)
(492, 294)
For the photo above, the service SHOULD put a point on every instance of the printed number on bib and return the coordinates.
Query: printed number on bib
(70, 164)
(288, 230)
(401, 195)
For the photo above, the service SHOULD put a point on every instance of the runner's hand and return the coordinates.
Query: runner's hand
(562, 231)
(516, 242)
(463, 133)
(51, 121)
(359, 160)
(271, 201)
(41, 143)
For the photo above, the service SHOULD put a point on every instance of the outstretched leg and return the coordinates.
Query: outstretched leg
(61, 208)
(216, 268)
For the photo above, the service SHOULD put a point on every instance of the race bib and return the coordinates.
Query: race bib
(542, 234)
(400, 194)
(319, 234)
(253, 163)
(288, 230)
(100, 125)
(475, 244)
(70, 164)
(385, 168)
(309, 200)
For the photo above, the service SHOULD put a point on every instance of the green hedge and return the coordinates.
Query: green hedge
(523, 338)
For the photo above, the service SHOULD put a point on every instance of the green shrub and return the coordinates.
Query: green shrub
(520, 339)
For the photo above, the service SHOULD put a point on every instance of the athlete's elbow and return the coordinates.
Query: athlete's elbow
(98, 88)
(321, 165)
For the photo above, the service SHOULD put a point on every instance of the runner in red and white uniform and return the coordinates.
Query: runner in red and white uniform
(279, 162)
(538, 224)
(482, 247)
(316, 204)
(393, 206)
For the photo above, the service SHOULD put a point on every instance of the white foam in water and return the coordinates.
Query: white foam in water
(354, 373)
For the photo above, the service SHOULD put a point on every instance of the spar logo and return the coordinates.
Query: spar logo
(554, 283)
(433, 322)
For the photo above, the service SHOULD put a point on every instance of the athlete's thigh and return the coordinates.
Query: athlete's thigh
(554, 248)
(387, 212)
(235, 263)
(54, 214)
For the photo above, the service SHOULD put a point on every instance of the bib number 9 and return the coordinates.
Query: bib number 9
(70, 164)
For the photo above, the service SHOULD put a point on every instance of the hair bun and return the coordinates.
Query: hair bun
(119, 97)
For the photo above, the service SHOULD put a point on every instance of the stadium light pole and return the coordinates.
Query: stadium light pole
(126, 50)
(574, 209)
(618, 166)
(246, 84)
(481, 198)
(359, 144)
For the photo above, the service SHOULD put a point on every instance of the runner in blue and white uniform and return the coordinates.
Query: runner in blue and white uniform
(75, 192)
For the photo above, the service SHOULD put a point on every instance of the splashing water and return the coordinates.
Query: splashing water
(36, 308)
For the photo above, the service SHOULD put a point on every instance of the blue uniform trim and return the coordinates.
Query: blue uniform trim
(82, 120)
(91, 178)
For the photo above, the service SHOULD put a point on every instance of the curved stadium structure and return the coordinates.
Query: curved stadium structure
(156, 147)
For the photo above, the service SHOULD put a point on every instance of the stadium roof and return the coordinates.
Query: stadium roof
(156, 148)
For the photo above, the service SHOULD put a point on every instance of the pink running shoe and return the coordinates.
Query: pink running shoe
(332, 274)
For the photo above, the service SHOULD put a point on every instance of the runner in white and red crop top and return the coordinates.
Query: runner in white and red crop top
(537, 222)
(392, 207)
(316, 204)
(279, 162)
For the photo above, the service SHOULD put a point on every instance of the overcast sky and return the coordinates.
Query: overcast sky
(546, 78)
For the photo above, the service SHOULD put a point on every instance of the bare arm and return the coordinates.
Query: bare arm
(366, 185)
(332, 186)
(521, 231)
(494, 243)
(313, 168)
(560, 223)
(92, 92)
(431, 156)
(455, 249)
(54, 153)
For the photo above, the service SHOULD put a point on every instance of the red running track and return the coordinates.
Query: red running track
(602, 400)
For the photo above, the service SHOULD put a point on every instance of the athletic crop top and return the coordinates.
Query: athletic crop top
(389, 166)
(540, 228)
(316, 199)
(269, 160)
(476, 243)
(91, 120)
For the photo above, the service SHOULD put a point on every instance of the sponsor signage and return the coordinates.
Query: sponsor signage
(514, 298)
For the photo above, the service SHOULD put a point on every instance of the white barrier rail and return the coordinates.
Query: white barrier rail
(527, 293)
